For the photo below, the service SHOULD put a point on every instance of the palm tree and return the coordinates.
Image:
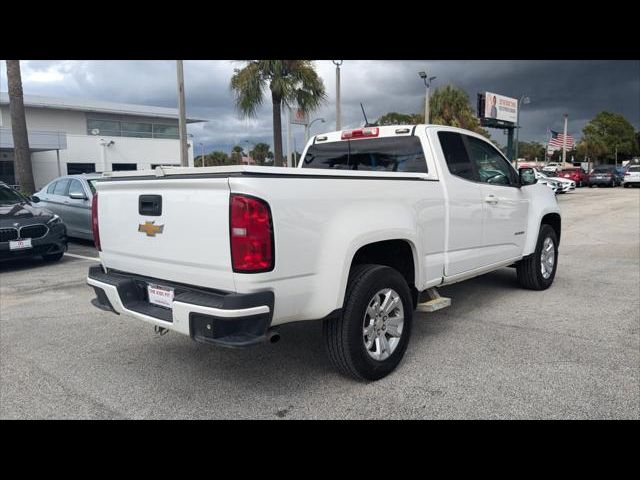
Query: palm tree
(292, 82)
(24, 172)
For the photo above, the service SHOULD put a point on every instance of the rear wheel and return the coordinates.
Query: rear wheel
(537, 271)
(368, 340)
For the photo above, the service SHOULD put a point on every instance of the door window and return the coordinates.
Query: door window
(76, 187)
(61, 187)
(491, 165)
(51, 187)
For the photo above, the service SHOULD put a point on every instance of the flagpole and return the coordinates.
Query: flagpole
(564, 141)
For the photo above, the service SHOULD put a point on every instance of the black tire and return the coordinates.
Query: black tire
(590, 185)
(613, 184)
(344, 334)
(53, 257)
(529, 271)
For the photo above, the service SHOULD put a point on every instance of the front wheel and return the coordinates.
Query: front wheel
(537, 271)
(368, 339)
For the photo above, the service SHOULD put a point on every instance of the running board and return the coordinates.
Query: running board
(435, 302)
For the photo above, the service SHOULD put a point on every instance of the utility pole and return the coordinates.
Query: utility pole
(289, 160)
(427, 87)
(182, 120)
(337, 63)
(564, 140)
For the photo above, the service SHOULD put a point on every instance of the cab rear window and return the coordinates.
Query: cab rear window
(393, 154)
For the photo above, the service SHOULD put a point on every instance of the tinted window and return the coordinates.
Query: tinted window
(455, 154)
(76, 187)
(61, 187)
(51, 187)
(77, 168)
(9, 196)
(491, 166)
(92, 186)
(603, 169)
(394, 154)
(123, 166)
(634, 169)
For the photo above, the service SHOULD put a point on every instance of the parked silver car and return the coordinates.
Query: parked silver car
(70, 197)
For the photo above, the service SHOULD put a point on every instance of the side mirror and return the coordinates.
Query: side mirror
(35, 199)
(77, 195)
(527, 176)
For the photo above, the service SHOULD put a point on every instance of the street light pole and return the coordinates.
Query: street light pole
(182, 120)
(427, 87)
(307, 128)
(523, 100)
(337, 63)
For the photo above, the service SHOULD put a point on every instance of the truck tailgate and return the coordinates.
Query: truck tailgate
(193, 245)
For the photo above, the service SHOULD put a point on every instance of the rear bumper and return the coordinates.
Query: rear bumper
(218, 318)
(600, 181)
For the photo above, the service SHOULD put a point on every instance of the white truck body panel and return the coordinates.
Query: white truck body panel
(456, 228)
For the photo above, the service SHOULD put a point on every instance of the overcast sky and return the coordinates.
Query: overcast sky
(579, 88)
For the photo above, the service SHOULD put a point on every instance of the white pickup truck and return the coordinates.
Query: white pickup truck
(358, 235)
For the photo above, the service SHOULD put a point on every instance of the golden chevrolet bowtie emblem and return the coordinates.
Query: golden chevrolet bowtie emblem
(150, 228)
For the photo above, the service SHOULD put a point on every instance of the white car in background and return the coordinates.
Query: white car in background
(552, 167)
(631, 176)
(563, 185)
(544, 180)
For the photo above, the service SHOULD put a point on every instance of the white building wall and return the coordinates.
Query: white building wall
(88, 149)
(68, 121)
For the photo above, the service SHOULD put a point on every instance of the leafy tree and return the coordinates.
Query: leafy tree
(292, 82)
(394, 118)
(237, 153)
(605, 133)
(531, 150)
(260, 153)
(23, 169)
(448, 105)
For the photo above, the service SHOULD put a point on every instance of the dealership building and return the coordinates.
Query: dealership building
(70, 136)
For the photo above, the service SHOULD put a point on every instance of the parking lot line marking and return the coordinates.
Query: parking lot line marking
(82, 256)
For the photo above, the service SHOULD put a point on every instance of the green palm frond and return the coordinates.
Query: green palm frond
(248, 84)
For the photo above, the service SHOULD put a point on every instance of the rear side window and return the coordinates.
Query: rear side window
(61, 187)
(634, 169)
(393, 154)
(456, 156)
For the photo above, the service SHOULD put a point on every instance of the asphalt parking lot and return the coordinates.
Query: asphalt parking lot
(572, 351)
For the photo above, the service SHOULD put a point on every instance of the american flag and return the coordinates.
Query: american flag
(556, 139)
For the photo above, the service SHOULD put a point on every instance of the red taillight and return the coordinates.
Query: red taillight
(360, 133)
(251, 232)
(627, 173)
(94, 222)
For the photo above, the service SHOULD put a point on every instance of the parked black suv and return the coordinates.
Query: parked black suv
(27, 230)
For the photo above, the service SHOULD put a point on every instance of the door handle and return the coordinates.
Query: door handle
(491, 199)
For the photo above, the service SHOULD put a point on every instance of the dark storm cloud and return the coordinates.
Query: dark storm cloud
(579, 88)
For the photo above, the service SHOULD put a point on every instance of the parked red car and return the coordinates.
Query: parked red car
(576, 174)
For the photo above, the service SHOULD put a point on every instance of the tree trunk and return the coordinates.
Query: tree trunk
(23, 170)
(277, 130)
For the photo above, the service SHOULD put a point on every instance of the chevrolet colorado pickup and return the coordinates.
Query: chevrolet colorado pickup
(370, 221)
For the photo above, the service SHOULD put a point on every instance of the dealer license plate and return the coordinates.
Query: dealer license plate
(20, 244)
(162, 296)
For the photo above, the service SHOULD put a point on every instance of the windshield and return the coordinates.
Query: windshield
(392, 154)
(634, 169)
(9, 196)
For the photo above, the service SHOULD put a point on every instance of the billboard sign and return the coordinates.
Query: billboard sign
(499, 107)
(298, 117)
